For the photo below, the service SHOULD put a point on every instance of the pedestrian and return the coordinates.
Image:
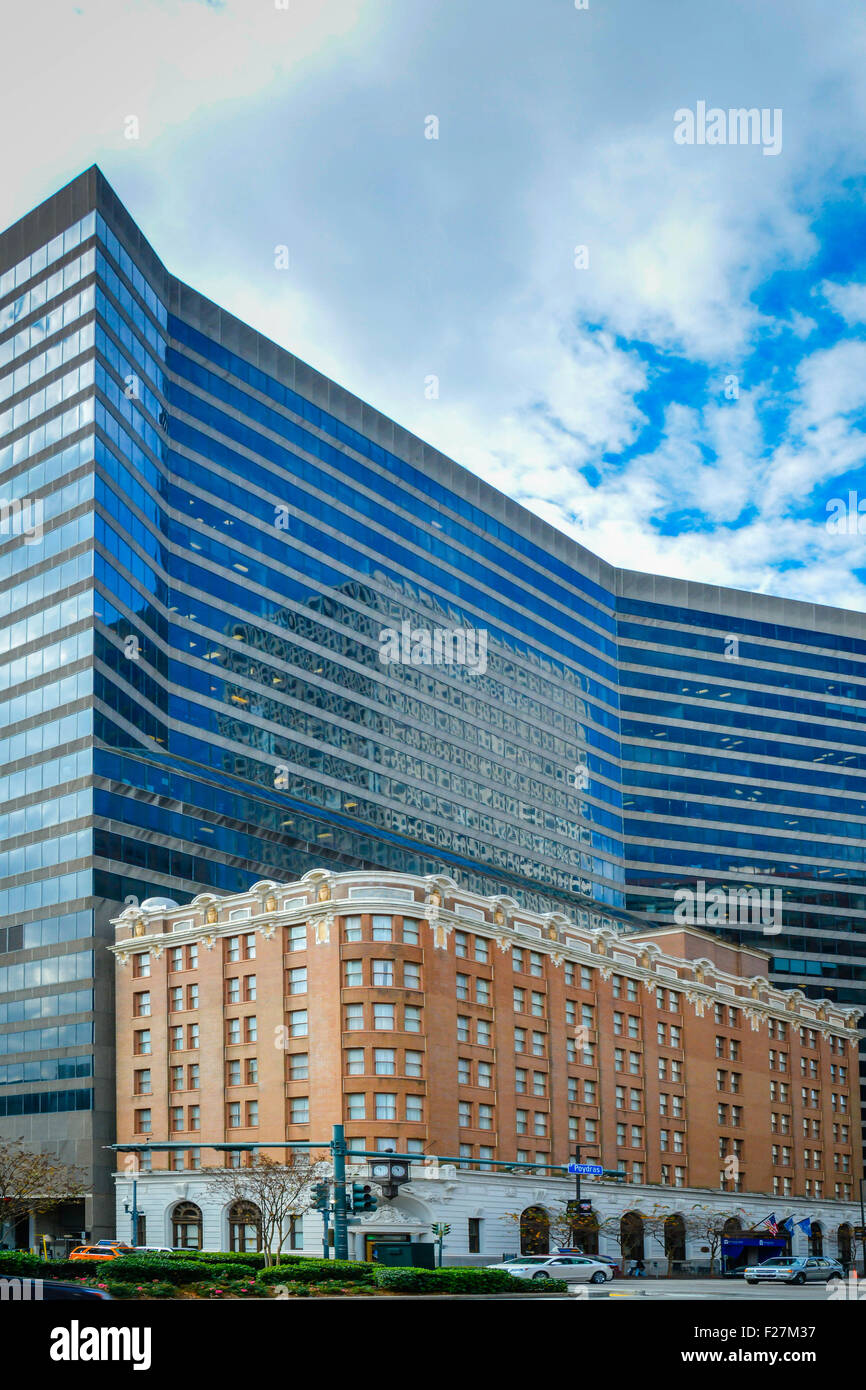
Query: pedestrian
(638, 1270)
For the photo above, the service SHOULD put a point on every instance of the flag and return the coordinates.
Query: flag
(805, 1225)
(787, 1225)
(770, 1223)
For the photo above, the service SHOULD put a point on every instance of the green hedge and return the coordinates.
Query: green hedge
(132, 1267)
(311, 1271)
(251, 1259)
(468, 1280)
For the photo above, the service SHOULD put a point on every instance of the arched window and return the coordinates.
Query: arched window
(816, 1239)
(584, 1233)
(534, 1231)
(186, 1226)
(631, 1236)
(845, 1244)
(732, 1226)
(675, 1239)
(245, 1226)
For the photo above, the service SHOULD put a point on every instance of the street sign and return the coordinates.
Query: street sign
(591, 1170)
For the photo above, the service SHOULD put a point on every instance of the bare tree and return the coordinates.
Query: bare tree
(565, 1227)
(280, 1190)
(32, 1182)
(709, 1224)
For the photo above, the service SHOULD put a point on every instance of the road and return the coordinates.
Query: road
(717, 1290)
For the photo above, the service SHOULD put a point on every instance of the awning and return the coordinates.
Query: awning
(732, 1246)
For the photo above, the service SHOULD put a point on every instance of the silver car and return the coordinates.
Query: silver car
(806, 1269)
(575, 1268)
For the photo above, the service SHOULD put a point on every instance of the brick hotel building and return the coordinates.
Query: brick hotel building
(457, 1027)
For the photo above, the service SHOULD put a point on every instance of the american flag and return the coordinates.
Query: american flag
(771, 1224)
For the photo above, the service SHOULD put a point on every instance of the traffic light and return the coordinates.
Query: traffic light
(321, 1196)
(362, 1197)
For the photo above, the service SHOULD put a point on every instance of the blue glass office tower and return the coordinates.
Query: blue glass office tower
(202, 541)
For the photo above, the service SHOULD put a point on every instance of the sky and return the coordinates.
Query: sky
(495, 234)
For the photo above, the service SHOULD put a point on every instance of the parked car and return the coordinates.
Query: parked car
(811, 1269)
(575, 1268)
(52, 1290)
(154, 1250)
(101, 1252)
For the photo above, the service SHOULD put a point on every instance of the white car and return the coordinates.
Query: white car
(576, 1269)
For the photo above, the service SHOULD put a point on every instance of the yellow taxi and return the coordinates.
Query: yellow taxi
(108, 1251)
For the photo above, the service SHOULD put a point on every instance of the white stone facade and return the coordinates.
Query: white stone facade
(444, 1193)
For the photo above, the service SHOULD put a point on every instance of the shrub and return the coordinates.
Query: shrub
(251, 1259)
(468, 1280)
(172, 1270)
(14, 1262)
(153, 1288)
(226, 1288)
(309, 1271)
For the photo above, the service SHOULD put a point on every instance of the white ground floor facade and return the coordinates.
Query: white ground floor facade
(484, 1209)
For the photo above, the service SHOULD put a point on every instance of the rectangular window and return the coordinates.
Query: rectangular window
(141, 1043)
(296, 938)
(351, 929)
(141, 965)
(384, 1061)
(298, 979)
(233, 1030)
(414, 1109)
(383, 972)
(193, 1034)
(354, 1061)
(356, 1106)
(353, 973)
(233, 991)
(194, 1117)
(298, 1026)
(300, 1110)
(485, 1117)
(249, 990)
(353, 1018)
(251, 1029)
(233, 1074)
(141, 1004)
(412, 1064)
(142, 1122)
(383, 1016)
(461, 943)
(411, 974)
(411, 933)
(411, 1018)
(299, 1065)
(142, 1082)
(252, 1113)
(481, 949)
(382, 928)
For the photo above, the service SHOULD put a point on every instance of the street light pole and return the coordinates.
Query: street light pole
(341, 1224)
(862, 1228)
(133, 1216)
